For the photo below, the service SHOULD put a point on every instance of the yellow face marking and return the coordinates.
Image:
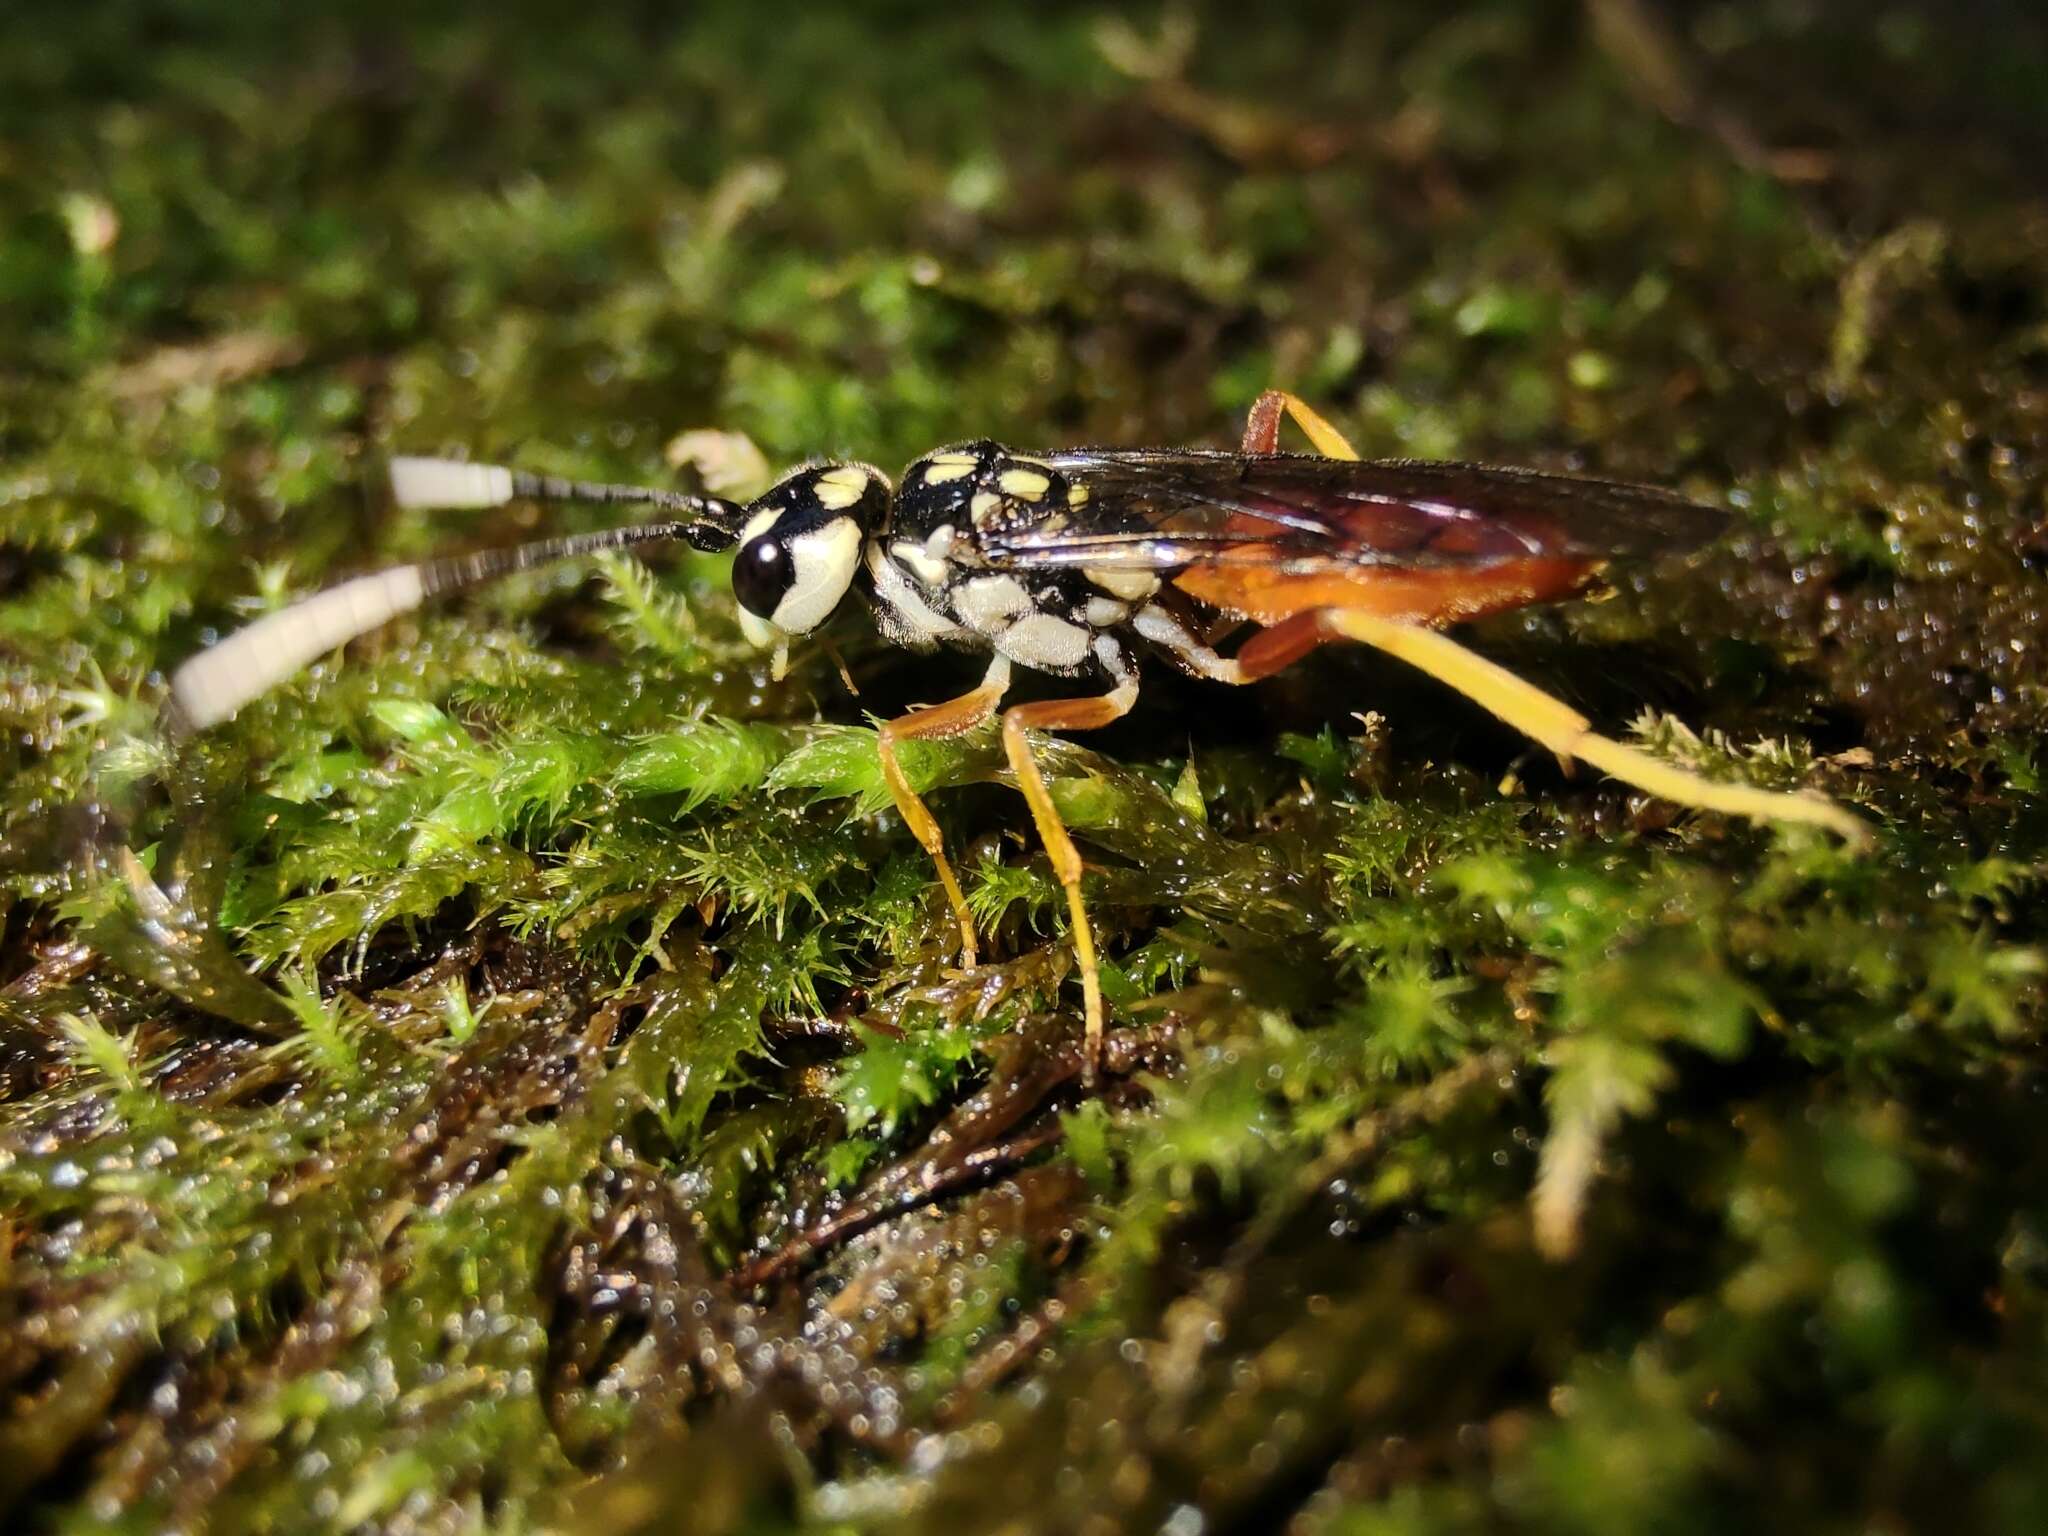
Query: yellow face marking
(838, 489)
(1024, 484)
(948, 467)
(983, 505)
(1077, 495)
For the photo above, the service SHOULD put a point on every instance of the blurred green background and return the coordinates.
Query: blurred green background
(514, 1078)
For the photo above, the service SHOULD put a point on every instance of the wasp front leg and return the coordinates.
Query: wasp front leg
(955, 717)
(1069, 715)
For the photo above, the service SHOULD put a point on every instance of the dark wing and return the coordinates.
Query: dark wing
(1165, 509)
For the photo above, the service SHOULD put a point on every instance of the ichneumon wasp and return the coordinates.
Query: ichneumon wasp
(1067, 563)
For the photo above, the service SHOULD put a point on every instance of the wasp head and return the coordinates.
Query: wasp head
(800, 548)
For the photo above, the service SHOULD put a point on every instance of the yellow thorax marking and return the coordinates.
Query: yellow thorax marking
(942, 468)
(1131, 586)
(1024, 484)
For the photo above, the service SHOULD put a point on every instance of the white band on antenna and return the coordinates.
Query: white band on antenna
(417, 482)
(217, 682)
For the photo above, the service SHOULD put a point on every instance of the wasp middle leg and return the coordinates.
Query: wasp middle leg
(1069, 715)
(955, 717)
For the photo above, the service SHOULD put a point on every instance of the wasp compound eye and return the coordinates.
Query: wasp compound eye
(761, 575)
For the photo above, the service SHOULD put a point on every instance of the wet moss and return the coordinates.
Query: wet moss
(517, 1074)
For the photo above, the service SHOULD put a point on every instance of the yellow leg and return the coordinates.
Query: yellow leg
(1262, 427)
(1548, 721)
(1066, 715)
(953, 718)
(1556, 725)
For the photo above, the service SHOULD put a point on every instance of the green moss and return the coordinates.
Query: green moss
(519, 1074)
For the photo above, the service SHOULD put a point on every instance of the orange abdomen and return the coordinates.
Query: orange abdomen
(1429, 597)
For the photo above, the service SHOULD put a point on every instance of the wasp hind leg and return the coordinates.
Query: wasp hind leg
(1547, 721)
(955, 717)
(1262, 426)
(1550, 722)
(1069, 715)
